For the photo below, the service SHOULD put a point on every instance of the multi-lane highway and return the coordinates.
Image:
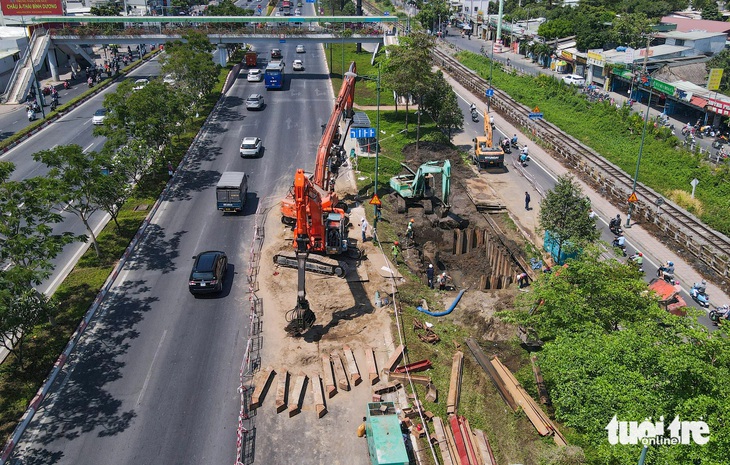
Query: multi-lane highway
(154, 379)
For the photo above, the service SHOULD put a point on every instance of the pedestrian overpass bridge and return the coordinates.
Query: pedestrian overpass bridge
(71, 33)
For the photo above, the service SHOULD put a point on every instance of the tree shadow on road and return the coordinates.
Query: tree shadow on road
(157, 252)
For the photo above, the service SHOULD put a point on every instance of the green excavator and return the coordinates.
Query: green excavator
(419, 187)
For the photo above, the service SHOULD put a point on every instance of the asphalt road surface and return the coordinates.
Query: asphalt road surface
(73, 128)
(155, 378)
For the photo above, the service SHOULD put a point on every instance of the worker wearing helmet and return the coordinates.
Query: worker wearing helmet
(429, 275)
(409, 229)
(395, 250)
(443, 277)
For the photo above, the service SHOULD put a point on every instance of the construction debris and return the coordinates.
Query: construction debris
(262, 383)
(329, 377)
(431, 393)
(385, 388)
(319, 406)
(422, 365)
(486, 365)
(452, 401)
(441, 441)
(430, 337)
(485, 449)
(372, 366)
(352, 368)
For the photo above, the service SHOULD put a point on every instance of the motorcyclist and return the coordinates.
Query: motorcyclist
(701, 287)
(514, 140)
(666, 271)
(505, 144)
(523, 155)
(638, 258)
(31, 114)
(615, 223)
(472, 108)
(620, 241)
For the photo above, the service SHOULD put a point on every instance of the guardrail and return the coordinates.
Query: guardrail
(20, 64)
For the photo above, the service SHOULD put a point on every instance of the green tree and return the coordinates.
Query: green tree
(442, 104)
(27, 217)
(631, 30)
(22, 308)
(227, 8)
(106, 9)
(711, 12)
(556, 29)
(432, 13)
(75, 178)
(564, 212)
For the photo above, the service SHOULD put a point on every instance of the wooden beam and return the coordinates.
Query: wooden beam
(452, 401)
(282, 390)
(484, 448)
(441, 441)
(352, 368)
(329, 378)
(262, 383)
(319, 406)
(541, 389)
(372, 366)
(297, 394)
(340, 376)
(395, 358)
(403, 378)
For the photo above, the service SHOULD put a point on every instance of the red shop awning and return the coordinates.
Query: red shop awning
(698, 102)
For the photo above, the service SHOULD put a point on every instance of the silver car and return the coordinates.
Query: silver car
(255, 102)
(574, 79)
(251, 147)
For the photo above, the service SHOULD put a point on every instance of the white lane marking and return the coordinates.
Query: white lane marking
(87, 148)
(149, 372)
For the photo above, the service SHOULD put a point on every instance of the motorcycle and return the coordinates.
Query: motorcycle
(615, 227)
(66, 84)
(616, 244)
(719, 314)
(54, 104)
(663, 272)
(47, 90)
(514, 143)
(474, 116)
(90, 82)
(701, 298)
(632, 261)
(31, 115)
(524, 158)
(719, 142)
(506, 148)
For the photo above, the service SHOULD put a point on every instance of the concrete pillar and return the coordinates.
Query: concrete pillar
(52, 63)
(222, 54)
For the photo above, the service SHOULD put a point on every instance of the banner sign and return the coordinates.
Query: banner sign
(713, 82)
(596, 59)
(720, 107)
(31, 7)
(662, 87)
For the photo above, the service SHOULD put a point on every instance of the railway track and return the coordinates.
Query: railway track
(689, 234)
(691, 237)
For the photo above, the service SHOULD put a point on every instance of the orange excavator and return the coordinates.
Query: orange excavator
(330, 154)
(317, 230)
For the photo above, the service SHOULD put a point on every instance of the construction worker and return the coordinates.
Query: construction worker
(409, 230)
(364, 227)
(395, 250)
(443, 277)
(429, 275)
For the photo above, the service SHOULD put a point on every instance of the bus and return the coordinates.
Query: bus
(274, 75)
(286, 7)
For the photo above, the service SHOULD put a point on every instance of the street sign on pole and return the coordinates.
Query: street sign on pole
(362, 133)
(490, 93)
(375, 200)
(633, 198)
(534, 116)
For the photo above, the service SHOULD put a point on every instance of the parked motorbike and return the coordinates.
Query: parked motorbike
(700, 295)
(720, 313)
(616, 244)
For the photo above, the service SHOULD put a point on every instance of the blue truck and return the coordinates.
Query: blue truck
(386, 442)
(230, 193)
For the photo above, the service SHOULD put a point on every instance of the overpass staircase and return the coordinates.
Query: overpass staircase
(32, 59)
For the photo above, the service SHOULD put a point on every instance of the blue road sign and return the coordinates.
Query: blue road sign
(386, 13)
(310, 1)
(282, 41)
(362, 133)
(490, 92)
(535, 115)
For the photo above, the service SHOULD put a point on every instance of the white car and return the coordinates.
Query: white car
(255, 102)
(251, 147)
(298, 65)
(140, 83)
(255, 75)
(574, 79)
(300, 48)
(98, 118)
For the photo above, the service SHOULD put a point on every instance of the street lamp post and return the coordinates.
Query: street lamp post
(377, 134)
(638, 160)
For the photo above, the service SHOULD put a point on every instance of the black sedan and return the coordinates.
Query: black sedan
(208, 273)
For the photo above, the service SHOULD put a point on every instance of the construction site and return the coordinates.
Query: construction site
(348, 351)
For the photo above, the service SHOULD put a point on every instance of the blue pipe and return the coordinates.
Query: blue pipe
(445, 312)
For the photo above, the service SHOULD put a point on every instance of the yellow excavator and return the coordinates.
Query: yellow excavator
(486, 152)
